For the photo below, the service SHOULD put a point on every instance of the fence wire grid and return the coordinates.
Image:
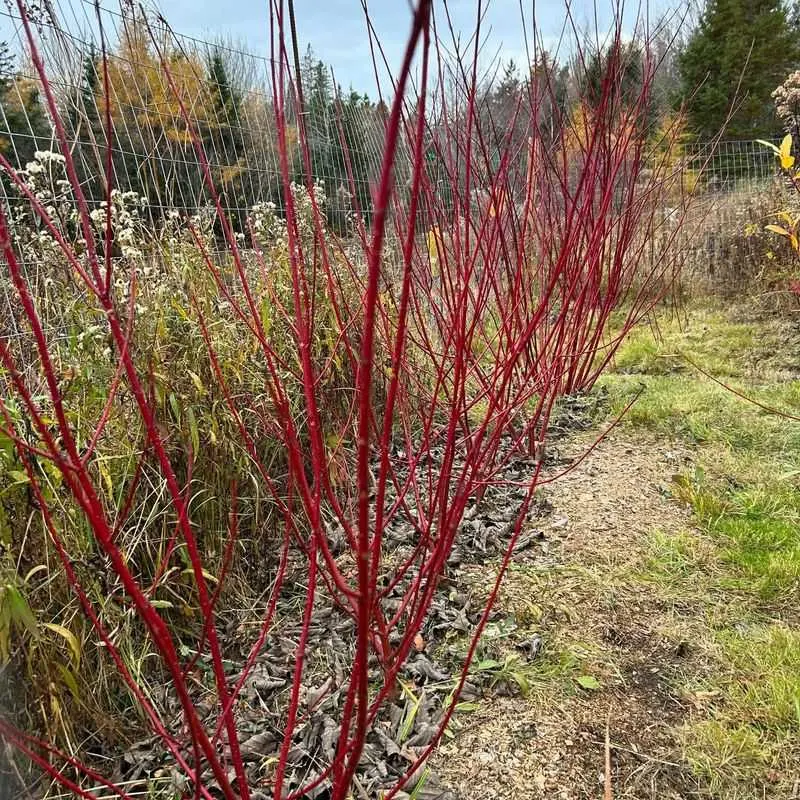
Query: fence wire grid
(227, 93)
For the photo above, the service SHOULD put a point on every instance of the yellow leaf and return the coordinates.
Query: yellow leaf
(34, 571)
(69, 637)
(197, 382)
(777, 229)
(500, 201)
(785, 152)
(106, 476)
(206, 574)
(69, 681)
(770, 145)
(433, 239)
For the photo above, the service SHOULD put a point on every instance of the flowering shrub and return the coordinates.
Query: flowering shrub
(787, 101)
(45, 179)
(124, 219)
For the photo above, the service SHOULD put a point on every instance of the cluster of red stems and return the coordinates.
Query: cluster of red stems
(484, 315)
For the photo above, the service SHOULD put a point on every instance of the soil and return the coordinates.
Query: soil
(553, 743)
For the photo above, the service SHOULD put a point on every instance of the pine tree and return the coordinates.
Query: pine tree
(320, 123)
(90, 86)
(224, 140)
(503, 112)
(548, 84)
(352, 154)
(613, 76)
(6, 63)
(24, 127)
(226, 134)
(751, 40)
(336, 126)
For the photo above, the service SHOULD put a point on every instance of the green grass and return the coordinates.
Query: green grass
(701, 412)
(761, 537)
(757, 531)
(740, 568)
(768, 658)
(750, 744)
(722, 346)
(672, 559)
(746, 489)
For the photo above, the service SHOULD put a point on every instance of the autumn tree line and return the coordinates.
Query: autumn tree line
(153, 86)
(721, 72)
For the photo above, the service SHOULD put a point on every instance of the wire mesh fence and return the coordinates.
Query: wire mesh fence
(729, 166)
(155, 80)
(131, 116)
(125, 85)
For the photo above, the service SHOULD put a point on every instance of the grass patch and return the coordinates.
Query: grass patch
(729, 758)
(702, 412)
(750, 746)
(677, 400)
(746, 489)
(740, 570)
(757, 530)
(765, 676)
(721, 345)
(744, 738)
(672, 559)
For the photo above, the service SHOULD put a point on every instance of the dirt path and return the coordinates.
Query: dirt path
(599, 622)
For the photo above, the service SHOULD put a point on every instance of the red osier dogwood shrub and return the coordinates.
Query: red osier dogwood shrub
(452, 323)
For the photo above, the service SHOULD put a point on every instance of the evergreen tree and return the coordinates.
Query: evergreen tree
(226, 130)
(85, 123)
(613, 76)
(6, 63)
(224, 140)
(751, 40)
(342, 133)
(320, 125)
(91, 85)
(24, 126)
(505, 96)
(354, 155)
(549, 91)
